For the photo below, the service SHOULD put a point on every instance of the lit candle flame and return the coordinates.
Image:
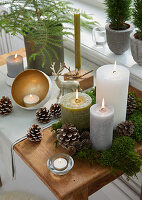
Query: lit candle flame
(31, 95)
(114, 68)
(103, 104)
(15, 56)
(76, 94)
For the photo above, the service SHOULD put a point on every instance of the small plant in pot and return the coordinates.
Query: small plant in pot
(41, 22)
(136, 36)
(117, 30)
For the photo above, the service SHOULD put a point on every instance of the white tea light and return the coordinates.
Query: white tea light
(31, 100)
(60, 164)
(112, 83)
(101, 126)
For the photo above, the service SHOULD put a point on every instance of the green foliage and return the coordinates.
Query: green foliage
(120, 157)
(137, 17)
(57, 125)
(118, 12)
(136, 118)
(92, 94)
(42, 22)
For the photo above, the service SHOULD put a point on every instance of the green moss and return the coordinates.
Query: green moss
(92, 94)
(57, 125)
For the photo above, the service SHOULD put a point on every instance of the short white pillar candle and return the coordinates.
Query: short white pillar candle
(101, 126)
(112, 83)
(31, 100)
(60, 164)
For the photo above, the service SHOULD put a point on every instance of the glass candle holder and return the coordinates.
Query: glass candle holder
(99, 35)
(60, 164)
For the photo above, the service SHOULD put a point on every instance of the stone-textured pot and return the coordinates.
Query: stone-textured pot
(37, 63)
(136, 49)
(118, 40)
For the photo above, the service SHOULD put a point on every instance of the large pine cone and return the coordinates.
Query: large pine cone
(131, 105)
(125, 128)
(34, 133)
(43, 115)
(5, 106)
(67, 135)
(55, 109)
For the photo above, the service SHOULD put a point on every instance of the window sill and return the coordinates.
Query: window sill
(101, 56)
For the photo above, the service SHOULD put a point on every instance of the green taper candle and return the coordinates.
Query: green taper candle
(76, 110)
(77, 40)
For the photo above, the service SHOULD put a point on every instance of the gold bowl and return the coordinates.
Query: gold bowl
(31, 81)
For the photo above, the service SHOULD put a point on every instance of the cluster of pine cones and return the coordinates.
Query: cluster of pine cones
(44, 116)
(69, 137)
(5, 106)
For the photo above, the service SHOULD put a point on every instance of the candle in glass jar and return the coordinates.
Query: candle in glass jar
(31, 100)
(112, 83)
(60, 164)
(76, 109)
(101, 126)
(14, 65)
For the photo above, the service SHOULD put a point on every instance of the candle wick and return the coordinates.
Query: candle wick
(114, 71)
(77, 100)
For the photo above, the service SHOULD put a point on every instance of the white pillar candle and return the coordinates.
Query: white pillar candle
(60, 164)
(101, 126)
(14, 65)
(31, 100)
(112, 83)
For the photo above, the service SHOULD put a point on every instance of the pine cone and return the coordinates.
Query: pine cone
(43, 115)
(77, 145)
(125, 128)
(55, 109)
(5, 106)
(71, 150)
(131, 105)
(67, 135)
(34, 133)
(86, 143)
(85, 135)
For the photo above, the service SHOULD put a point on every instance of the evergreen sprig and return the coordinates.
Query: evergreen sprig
(41, 21)
(137, 17)
(118, 12)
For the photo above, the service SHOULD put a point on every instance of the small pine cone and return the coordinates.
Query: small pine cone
(85, 135)
(77, 145)
(55, 109)
(34, 133)
(71, 150)
(131, 105)
(125, 128)
(5, 106)
(43, 115)
(86, 143)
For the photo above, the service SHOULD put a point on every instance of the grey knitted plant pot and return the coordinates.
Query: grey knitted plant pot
(118, 40)
(136, 49)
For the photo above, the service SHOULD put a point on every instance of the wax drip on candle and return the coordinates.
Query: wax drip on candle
(114, 69)
(77, 100)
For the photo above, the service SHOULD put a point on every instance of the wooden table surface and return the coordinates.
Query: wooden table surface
(82, 181)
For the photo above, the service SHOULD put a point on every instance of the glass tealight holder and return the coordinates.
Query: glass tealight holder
(52, 163)
(99, 36)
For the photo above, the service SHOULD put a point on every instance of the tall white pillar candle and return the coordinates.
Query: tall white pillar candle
(101, 127)
(112, 83)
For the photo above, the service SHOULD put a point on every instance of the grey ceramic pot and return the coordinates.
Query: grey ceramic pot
(36, 64)
(136, 49)
(118, 41)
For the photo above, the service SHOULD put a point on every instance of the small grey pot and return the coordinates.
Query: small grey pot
(118, 40)
(136, 48)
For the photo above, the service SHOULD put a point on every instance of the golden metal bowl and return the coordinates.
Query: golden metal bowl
(31, 81)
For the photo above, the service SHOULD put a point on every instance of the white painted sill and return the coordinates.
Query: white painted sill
(101, 56)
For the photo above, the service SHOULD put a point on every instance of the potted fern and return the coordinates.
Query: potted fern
(117, 30)
(42, 25)
(136, 36)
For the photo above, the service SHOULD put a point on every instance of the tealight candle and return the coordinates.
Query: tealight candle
(76, 109)
(31, 100)
(101, 126)
(112, 83)
(14, 65)
(60, 164)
